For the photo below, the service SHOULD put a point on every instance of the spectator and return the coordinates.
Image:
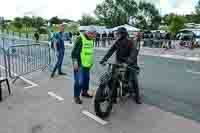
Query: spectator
(36, 35)
(70, 37)
(110, 37)
(104, 38)
(97, 39)
(59, 48)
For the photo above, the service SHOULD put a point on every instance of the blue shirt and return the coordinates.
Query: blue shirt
(60, 41)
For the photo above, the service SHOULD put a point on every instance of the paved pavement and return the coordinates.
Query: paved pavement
(172, 81)
(34, 111)
(168, 85)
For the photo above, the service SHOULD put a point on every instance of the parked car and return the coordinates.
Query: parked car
(189, 35)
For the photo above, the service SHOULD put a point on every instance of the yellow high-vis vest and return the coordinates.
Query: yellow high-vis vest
(87, 52)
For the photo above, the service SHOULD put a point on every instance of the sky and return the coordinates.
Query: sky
(73, 9)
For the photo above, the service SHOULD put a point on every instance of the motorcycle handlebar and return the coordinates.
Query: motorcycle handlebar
(134, 67)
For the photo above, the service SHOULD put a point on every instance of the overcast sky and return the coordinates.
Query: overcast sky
(73, 9)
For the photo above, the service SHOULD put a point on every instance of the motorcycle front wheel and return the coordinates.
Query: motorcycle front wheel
(103, 101)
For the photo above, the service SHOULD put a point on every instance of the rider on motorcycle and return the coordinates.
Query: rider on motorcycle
(126, 53)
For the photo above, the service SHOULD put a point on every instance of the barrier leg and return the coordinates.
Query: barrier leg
(8, 85)
(15, 79)
(1, 92)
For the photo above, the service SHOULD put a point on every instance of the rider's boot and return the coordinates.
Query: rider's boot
(138, 100)
(137, 96)
(114, 97)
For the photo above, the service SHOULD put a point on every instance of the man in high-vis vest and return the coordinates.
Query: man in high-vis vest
(82, 58)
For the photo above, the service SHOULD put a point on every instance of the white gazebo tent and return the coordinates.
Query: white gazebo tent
(99, 29)
(131, 30)
(128, 28)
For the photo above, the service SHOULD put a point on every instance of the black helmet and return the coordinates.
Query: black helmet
(122, 30)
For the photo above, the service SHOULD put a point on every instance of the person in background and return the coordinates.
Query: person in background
(104, 38)
(70, 37)
(97, 39)
(113, 35)
(36, 35)
(82, 58)
(110, 37)
(59, 48)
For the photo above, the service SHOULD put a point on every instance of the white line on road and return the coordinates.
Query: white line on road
(178, 57)
(55, 96)
(193, 72)
(30, 82)
(94, 117)
(24, 79)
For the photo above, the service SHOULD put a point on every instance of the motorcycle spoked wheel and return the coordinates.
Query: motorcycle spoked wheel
(103, 101)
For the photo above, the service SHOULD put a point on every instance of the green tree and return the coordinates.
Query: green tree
(87, 20)
(18, 23)
(55, 20)
(39, 23)
(167, 19)
(177, 23)
(197, 8)
(116, 12)
(67, 20)
(141, 22)
(4, 25)
(73, 27)
(150, 15)
(27, 22)
(192, 18)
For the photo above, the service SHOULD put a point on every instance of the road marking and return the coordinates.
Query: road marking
(29, 82)
(193, 72)
(94, 117)
(175, 57)
(24, 79)
(55, 96)
(193, 58)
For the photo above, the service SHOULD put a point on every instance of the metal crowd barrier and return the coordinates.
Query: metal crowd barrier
(3, 64)
(24, 59)
(3, 72)
(6, 42)
(20, 56)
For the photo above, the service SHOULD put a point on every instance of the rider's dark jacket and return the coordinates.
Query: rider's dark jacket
(126, 52)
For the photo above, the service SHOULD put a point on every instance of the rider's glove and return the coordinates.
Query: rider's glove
(101, 62)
